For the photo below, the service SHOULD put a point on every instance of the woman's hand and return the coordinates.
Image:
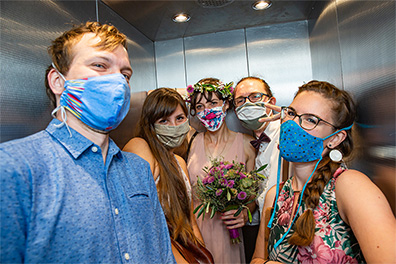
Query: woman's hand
(233, 222)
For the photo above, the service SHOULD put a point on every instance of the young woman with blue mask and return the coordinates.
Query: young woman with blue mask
(324, 213)
(163, 127)
(210, 100)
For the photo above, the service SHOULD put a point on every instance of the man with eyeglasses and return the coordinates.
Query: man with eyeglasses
(250, 96)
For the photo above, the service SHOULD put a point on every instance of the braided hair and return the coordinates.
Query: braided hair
(344, 111)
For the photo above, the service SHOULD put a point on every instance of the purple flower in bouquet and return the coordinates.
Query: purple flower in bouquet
(210, 179)
(230, 183)
(223, 182)
(228, 166)
(242, 196)
(227, 186)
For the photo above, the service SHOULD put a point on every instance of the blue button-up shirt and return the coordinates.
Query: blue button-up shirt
(61, 203)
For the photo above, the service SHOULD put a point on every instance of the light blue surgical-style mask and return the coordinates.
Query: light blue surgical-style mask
(100, 102)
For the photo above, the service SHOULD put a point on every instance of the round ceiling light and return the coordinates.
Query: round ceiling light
(180, 18)
(261, 5)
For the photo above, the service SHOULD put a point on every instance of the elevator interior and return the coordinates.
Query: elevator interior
(350, 43)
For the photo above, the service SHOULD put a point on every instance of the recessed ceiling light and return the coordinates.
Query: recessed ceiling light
(261, 5)
(180, 18)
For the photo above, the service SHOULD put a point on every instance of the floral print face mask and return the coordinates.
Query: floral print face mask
(213, 118)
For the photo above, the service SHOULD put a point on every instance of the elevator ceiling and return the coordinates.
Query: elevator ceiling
(154, 18)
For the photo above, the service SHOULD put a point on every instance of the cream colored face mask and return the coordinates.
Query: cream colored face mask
(172, 136)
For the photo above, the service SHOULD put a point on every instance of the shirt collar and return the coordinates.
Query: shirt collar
(272, 129)
(76, 144)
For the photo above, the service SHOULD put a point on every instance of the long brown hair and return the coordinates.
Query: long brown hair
(171, 187)
(344, 111)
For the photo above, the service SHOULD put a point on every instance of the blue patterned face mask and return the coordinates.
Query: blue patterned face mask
(297, 145)
(100, 102)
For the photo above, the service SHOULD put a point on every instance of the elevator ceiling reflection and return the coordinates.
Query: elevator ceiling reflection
(154, 18)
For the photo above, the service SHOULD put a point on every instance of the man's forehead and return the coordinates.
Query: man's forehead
(249, 86)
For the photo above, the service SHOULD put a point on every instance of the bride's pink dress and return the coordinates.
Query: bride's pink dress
(214, 232)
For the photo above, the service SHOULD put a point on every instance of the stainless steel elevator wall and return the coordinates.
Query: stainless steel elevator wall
(353, 46)
(27, 29)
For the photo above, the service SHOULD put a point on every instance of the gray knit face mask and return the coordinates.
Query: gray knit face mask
(172, 136)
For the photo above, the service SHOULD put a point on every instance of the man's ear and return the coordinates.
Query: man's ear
(273, 102)
(337, 139)
(55, 82)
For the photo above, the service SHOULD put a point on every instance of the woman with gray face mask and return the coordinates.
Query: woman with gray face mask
(163, 127)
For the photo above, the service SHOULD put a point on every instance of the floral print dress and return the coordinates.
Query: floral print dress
(334, 241)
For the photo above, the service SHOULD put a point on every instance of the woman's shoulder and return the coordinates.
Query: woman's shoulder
(352, 178)
(136, 144)
(354, 189)
(140, 147)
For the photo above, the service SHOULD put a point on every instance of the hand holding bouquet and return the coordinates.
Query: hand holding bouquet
(227, 186)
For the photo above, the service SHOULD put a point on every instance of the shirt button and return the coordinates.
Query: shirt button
(126, 256)
(116, 211)
(94, 149)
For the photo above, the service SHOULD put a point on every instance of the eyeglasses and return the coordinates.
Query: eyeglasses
(253, 98)
(307, 121)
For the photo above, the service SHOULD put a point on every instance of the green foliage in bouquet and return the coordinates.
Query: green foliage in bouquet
(227, 186)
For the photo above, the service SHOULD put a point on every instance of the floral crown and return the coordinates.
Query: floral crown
(224, 89)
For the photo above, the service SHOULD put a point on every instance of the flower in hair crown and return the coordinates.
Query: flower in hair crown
(224, 89)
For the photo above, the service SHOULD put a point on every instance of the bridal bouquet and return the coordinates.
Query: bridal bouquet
(227, 186)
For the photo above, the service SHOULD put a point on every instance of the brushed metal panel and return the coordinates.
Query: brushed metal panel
(280, 54)
(27, 28)
(325, 48)
(140, 50)
(169, 56)
(364, 34)
(141, 55)
(367, 42)
(221, 55)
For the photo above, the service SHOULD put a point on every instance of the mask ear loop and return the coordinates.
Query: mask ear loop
(61, 108)
(277, 178)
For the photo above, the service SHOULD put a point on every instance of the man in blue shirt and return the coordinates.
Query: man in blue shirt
(68, 193)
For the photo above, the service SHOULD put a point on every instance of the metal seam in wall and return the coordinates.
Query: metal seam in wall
(97, 11)
(184, 61)
(247, 53)
(339, 43)
(155, 66)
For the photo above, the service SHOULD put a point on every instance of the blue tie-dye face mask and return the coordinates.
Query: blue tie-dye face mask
(100, 102)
